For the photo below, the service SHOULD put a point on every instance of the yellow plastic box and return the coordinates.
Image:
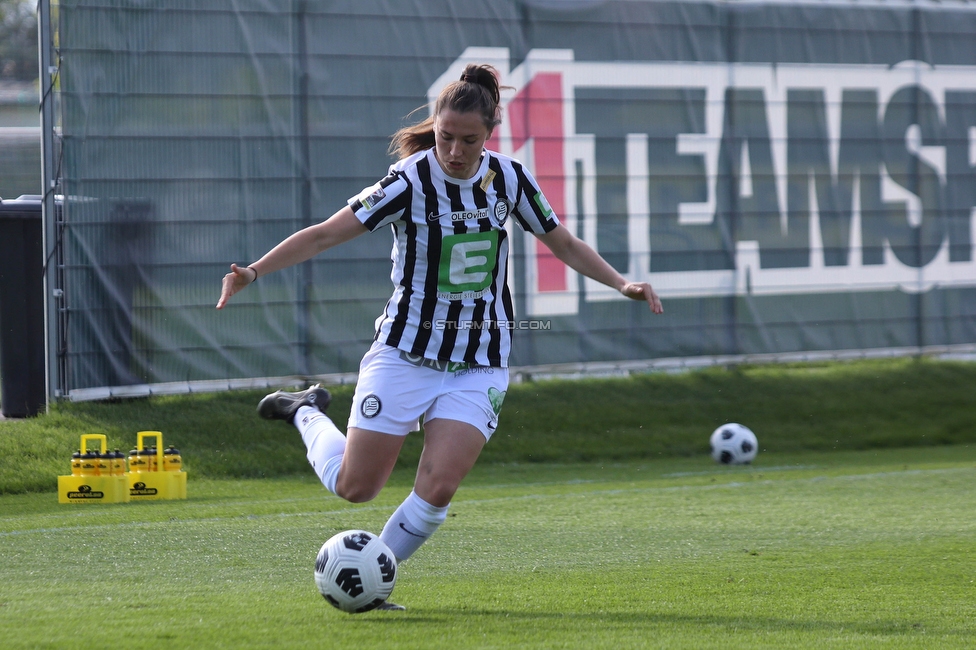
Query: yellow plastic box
(158, 484)
(93, 489)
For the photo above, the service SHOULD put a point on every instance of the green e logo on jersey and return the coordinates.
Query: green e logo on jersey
(467, 261)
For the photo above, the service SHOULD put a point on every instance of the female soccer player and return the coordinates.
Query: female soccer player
(442, 343)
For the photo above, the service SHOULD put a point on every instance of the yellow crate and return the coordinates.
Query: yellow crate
(161, 484)
(149, 486)
(93, 489)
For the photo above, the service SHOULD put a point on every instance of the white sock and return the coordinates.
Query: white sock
(410, 526)
(324, 442)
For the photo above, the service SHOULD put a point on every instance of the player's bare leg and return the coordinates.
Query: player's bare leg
(450, 451)
(367, 463)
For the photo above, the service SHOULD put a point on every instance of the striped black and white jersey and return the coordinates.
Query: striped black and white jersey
(451, 300)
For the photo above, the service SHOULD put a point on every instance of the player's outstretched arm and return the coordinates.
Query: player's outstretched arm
(578, 255)
(297, 248)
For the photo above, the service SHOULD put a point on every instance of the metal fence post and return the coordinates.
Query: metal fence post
(49, 183)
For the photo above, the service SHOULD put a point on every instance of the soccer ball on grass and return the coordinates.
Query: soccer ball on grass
(355, 571)
(734, 444)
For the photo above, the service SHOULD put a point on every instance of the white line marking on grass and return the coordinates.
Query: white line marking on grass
(525, 497)
(775, 468)
(172, 522)
(718, 486)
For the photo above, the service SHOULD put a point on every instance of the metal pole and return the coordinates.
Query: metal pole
(920, 252)
(48, 73)
(305, 191)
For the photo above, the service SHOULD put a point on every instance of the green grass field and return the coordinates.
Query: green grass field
(844, 550)
(853, 529)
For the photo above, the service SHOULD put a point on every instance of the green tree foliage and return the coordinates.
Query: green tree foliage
(18, 40)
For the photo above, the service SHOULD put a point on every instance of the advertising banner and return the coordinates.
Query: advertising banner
(789, 176)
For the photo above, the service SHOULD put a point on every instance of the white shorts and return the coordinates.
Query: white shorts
(395, 389)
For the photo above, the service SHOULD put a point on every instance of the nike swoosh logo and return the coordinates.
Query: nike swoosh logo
(492, 426)
(404, 529)
(434, 217)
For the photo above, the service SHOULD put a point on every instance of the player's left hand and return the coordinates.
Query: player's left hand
(643, 291)
(238, 278)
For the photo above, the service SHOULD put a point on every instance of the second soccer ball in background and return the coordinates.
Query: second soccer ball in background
(734, 444)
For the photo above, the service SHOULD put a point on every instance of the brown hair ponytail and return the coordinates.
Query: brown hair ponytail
(476, 90)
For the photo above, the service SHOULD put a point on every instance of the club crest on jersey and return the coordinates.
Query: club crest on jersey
(502, 209)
